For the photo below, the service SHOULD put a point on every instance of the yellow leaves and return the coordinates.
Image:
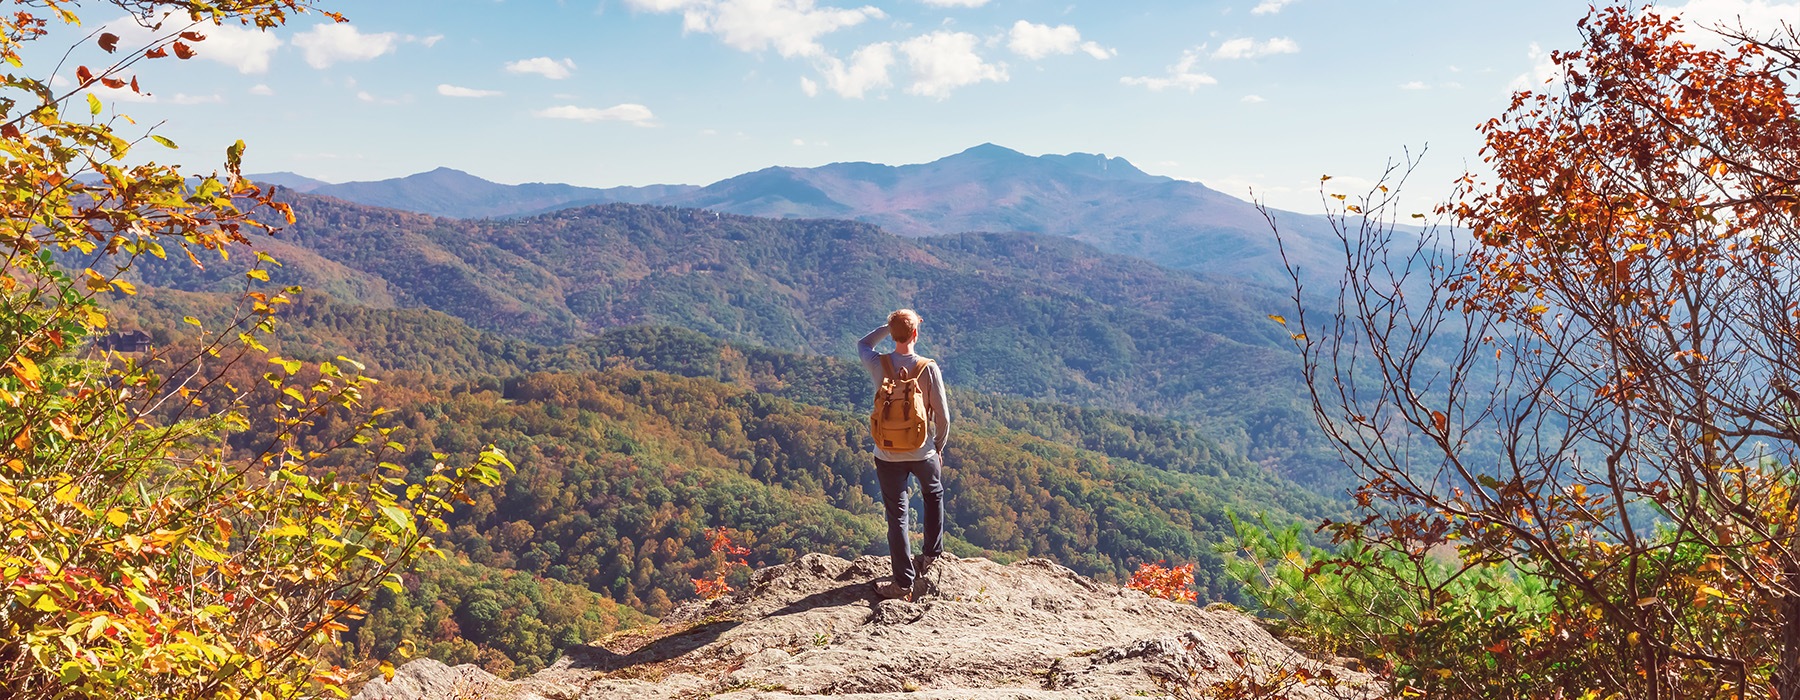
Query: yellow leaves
(205, 551)
(117, 518)
(1278, 319)
(97, 627)
(387, 670)
(292, 367)
(289, 530)
(26, 370)
(258, 274)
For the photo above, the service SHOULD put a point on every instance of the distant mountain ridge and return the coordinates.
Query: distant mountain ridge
(1103, 201)
(457, 194)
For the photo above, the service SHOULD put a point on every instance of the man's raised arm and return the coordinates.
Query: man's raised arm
(866, 348)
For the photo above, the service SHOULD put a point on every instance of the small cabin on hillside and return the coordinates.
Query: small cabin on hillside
(126, 341)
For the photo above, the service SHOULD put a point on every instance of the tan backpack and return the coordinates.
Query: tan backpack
(898, 421)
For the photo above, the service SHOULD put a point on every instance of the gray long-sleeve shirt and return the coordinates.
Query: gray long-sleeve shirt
(936, 405)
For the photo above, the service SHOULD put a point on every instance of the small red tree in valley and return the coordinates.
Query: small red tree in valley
(1158, 580)
(730, 557)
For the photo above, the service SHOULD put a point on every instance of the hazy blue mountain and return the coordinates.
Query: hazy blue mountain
(1106, 202)
(292, 181)
(456, 194)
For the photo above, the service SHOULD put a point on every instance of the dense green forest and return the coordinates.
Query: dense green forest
(633, 444)
(1039, 317)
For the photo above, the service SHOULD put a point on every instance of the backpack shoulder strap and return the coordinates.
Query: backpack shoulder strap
(887, 366)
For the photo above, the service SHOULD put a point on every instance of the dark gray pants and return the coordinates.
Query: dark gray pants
(893, 475)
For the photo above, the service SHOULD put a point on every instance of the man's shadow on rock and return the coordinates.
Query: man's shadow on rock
(603, 660)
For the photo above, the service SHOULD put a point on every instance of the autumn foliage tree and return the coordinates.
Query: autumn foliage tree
(1592, 380)
(145, 554)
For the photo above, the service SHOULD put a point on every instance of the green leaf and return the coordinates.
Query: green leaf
(94, 105)
(165, 142)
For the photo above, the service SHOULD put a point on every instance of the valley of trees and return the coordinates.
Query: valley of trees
(632, 446)
(1035, 316)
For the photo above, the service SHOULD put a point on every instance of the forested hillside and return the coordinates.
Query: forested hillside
(631, 446)
(1032, 316)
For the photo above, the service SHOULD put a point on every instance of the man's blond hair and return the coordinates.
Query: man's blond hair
(903, 325)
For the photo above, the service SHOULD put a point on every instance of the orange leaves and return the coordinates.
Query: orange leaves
(1160, 581)
(733, 558)
(109, 42)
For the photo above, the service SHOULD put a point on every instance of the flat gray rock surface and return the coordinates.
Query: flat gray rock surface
(979, 630)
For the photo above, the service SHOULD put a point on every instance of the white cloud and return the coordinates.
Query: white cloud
(791, 27)
(943, 61)
(327, 44)
(635, 114)
(1035, 41)
(1543, 70)
(1252, 99)
(1415, 85)
(809, 87)
(866, 70)
(544, 66)
(1757, 16)
(449, 90)
(260, 89)
(1181, 75)
(800, 142)
(247, 50)
(955, 3)
(1246, 47)
(1269, 7)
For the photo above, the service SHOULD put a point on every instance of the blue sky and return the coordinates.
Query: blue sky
(1232, 93)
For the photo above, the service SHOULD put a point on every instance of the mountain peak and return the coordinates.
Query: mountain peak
(989, 151)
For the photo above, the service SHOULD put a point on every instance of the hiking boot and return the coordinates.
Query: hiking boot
(923, 566)
(891, 591)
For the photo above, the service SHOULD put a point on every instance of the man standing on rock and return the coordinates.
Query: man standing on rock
(910, 424)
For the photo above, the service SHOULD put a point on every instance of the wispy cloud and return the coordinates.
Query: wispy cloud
(1245, 47)
(544, 66)
(327, 44)
(1181, 75)
(789, 27)
(449, 90)
(943, 61)
(1035, 41)
(1269, 7)
(634, 114)
(866, 70)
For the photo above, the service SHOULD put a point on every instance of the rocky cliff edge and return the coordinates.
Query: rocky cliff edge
(979, 631)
